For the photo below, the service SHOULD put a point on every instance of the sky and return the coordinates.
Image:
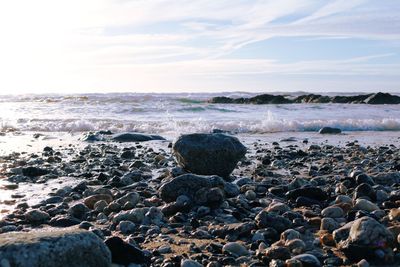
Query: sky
(77, 46)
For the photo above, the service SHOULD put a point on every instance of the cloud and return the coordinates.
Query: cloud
(48, 41)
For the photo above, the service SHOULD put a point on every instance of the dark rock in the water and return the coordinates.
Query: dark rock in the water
(192, 186)
(259, 99)
(366, 237)
(378, 98)
(34, 171)
(208, 154)
(382, 98)
(329, 130)
(308, 192)
(357, 99)
(92, 137)
(55, 247)
(268, 99)
(124, 253)
(312, 98)
(135, 137)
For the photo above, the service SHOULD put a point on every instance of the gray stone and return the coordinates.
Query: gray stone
(189, 185)
(366, 205)
(270, 219)
(126, 227)
(54, 247)
(290, 234)
(36, 216)
(329, 224)
(208, 154)
(132, 198)
(332, 212)
(343, 232)
(366, 237)
(296, 246)
(307, 260)
(78, 211)
(190, 263)
(235, 249)
(135, 215)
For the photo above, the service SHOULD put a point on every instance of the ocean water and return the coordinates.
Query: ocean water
(173, 114)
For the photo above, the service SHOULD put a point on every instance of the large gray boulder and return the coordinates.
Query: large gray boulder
(54, 247)
(208, 154)
(368, 239)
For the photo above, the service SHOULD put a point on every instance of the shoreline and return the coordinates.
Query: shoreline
(131, 175)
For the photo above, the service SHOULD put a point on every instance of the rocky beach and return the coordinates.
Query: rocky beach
(211, 199)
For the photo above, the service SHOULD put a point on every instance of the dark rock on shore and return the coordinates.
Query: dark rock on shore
(34, 171)
(208, 154)
(135, 137)
(54, 247)
(192, 186)
(308, 192)
(124, 253)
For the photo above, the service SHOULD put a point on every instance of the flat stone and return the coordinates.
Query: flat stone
(54, 247)
(307, 260)
(135, 137)
(235, 249)
(366, 205)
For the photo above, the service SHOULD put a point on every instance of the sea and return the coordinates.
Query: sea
(28, 123)
(174, 114)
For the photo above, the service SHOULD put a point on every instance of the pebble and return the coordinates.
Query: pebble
(190, 263)
(36, 216)
(366, 205)
(307, 260)
(332, 212)
(235, 249)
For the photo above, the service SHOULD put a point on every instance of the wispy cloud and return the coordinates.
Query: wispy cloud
(153, 38)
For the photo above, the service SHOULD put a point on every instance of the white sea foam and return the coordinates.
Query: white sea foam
(183, 113)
